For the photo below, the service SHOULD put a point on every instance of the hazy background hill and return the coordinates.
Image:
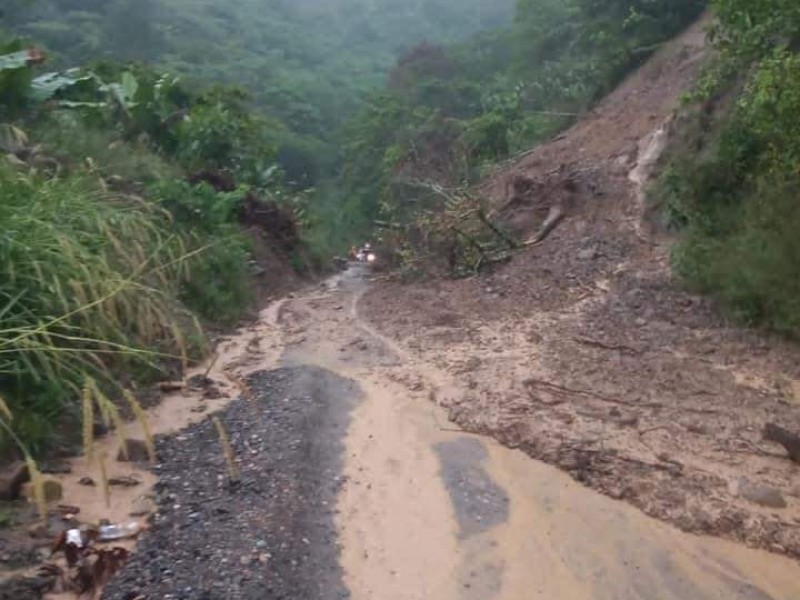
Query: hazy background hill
(308, 62)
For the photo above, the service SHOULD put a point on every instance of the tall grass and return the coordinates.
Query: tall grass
(88, 286)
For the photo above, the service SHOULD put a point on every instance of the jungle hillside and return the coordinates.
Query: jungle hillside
(160, 153)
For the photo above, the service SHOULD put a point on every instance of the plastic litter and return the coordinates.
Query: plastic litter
(120, 531)
(76, 538)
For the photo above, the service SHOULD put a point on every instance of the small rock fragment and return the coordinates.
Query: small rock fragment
(142, 506)
(472, 364)
(761, 494)
(212, 392)
(171, 386)
(67, 510)
(698, 428)
(55, 468)
(124, 481)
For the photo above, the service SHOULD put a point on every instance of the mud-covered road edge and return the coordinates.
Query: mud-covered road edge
(273, 534)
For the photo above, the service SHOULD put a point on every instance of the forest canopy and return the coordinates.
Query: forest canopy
(308, 62)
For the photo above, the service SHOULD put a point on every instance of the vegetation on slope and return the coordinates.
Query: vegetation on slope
(736, 196)
(113, 245)
(449, 111)
(307, 63)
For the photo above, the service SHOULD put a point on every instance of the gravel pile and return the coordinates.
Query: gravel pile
(272, 535)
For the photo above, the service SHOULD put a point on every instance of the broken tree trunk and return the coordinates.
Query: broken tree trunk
(556, 214)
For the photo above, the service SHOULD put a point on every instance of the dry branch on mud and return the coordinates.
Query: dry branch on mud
(458, 229)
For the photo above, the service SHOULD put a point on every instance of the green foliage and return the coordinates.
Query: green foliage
(67, 138)
(15, 76)
(752, 28)
(219, 133)
(308, 64)
(738, 204)
(198, 207)
(87, 281)
(219, 289)
(215, 130)
(749, 258)
(98, 282)
(448, 111)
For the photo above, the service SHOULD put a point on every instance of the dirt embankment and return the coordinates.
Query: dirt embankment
(584, 353)
(276, 245)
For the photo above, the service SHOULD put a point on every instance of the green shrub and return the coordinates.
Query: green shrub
(754, 266)
(218, 288)
(738, 202)
(197, 207)
(66, 137)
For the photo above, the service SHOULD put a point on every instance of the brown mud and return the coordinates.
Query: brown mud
(423, 509)
(582, 352)
(430, 511)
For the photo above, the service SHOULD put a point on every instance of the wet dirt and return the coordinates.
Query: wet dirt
(386, 499)
(429, 511)
(580, 353)
(584, 352)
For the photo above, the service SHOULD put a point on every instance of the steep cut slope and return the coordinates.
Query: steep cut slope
(583, 353)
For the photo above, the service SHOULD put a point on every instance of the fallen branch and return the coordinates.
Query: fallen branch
(556, 215)
(644, 432)
(554, 386)
(388, 225)
(512, 243)
(591, 342)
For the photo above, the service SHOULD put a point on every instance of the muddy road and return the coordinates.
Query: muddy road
(355, 485)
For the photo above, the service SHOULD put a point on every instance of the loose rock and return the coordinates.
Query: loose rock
(761, 494)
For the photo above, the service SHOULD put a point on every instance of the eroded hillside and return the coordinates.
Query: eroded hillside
(584, 353)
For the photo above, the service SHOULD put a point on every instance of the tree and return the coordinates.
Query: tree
(130, 28)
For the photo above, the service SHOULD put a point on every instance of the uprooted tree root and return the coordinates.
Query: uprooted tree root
(457, 235)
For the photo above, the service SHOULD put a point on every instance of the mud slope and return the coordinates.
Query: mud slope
(584, 354)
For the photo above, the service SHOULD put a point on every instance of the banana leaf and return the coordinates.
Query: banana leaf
(15, 60)
(46, 86)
